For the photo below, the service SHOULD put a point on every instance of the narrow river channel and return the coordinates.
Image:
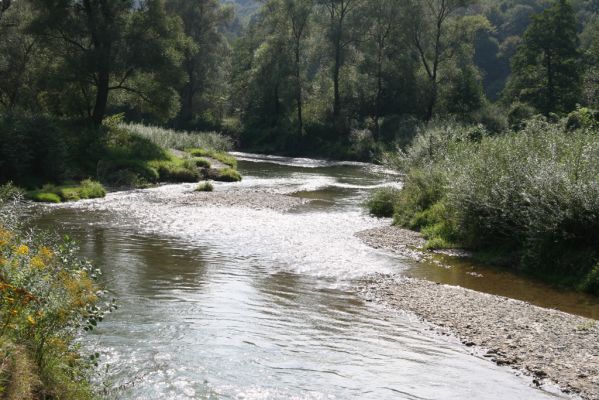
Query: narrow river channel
(238, 303)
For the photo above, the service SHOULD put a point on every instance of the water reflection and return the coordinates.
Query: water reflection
(469, 274)
(244, 304)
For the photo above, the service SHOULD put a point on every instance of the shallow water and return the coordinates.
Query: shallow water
(232, 303)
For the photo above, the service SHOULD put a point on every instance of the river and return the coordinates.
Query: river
(238, 303)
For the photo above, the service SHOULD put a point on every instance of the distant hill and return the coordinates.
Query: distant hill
(244, 8)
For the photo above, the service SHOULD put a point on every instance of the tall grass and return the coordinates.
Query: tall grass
(530, 196)
(170, 139)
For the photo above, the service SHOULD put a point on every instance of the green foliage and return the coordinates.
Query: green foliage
(227, 175)
(591, 282)
(217, 155)
(49, 193)
(381, 202)
(205, 56)
(546, 68)
(201, 163)
(170, 139)
(131, 53)
(32, 150)
(45, 197)
(49, 297)
(583, 118)
(176, 170)
(91, 190)
(205, 187)
(532, 195)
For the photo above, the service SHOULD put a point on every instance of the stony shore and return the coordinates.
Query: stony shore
(549, 345)
(255, 199)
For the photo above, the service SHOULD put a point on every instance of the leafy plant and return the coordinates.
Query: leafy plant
(381, 203)
(205, 187)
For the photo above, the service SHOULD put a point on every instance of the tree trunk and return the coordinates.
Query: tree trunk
(430, 108)
(550, 88)
(379, 93)
(102, 87)
(300, 122)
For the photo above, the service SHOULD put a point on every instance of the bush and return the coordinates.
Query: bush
(518, 114)
(205, 187)
(49, 193)
(32, 150)
(591, 282)
(217, 155)
(583, 118)
(91, 190)
(381, 203)
(227, 175)
(49, 297)
(45, 197)
(176, 172)
(533, 195)
(202, 163)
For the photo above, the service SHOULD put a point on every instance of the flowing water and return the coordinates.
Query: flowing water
(235, 303)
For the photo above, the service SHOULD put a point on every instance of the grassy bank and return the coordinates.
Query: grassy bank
(48, 297)
(46, 155)
(527, 200)
(49, 193)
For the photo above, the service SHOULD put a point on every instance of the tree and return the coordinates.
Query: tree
(384, 17)
(107, 46)
(546, 69)
(4, 5)
(433, 41)
(18, 54)
(204, 53)
(298, 14)
(340, 38)
(590, 48)
(262, 76)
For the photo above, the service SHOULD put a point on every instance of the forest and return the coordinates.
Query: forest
(346, 79)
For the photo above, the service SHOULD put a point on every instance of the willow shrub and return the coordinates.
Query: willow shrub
(47, 297)
(532, 196)
(382, 202)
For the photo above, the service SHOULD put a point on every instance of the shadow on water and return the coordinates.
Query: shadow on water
(469, 274)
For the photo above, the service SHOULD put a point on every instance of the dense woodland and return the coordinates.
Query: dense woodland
(344, 78)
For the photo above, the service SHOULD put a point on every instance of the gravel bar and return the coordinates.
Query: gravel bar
(257, 200)
(549, 345)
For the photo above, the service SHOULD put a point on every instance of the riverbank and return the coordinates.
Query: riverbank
(549, 345)
(512, 198)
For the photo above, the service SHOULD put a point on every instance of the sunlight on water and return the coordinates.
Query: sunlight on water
(235, 303)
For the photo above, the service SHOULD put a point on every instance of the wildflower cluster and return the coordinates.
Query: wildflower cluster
(48, 295)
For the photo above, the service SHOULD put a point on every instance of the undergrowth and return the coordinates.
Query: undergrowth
(530, 197)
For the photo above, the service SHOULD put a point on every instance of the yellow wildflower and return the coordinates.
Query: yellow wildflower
(5, 237)
(30, 320)
(22, 250)
(46, 254)
(37, 262)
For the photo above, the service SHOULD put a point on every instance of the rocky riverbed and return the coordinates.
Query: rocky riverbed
(255, 199)
(549, 345)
